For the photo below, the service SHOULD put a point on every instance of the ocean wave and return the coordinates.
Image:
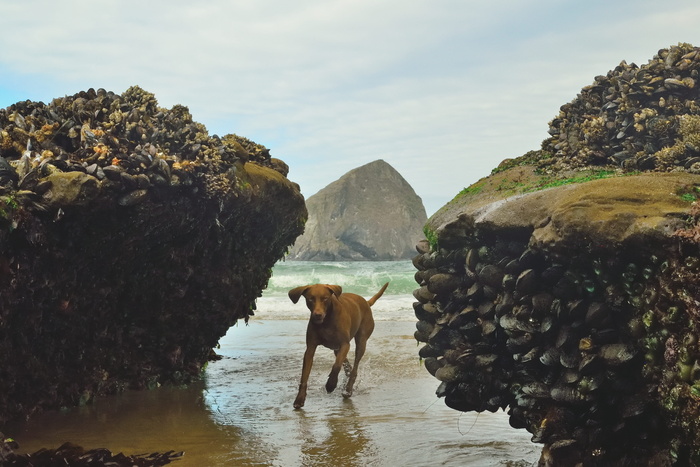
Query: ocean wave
(387, 308)
(361, 277)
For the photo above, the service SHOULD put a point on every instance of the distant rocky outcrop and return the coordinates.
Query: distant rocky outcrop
(130, 241)
(565, 287)
(370, 213)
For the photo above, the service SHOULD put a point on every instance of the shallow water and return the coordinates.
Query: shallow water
(242, 413)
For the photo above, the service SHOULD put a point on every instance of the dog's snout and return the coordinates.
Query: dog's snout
(317, 317)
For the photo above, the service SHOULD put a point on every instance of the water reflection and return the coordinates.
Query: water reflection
(242, 413)
(340, 440)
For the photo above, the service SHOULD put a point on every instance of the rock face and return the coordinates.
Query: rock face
(370, 213)
(565, 287)
(130, 241)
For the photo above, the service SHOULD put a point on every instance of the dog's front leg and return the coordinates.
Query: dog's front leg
(305, 372)
(340, 357)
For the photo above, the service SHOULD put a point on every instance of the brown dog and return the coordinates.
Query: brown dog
(336, 318)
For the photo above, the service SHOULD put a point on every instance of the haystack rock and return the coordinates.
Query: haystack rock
(370, 213)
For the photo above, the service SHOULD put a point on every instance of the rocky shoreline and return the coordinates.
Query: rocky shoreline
(130, 241)
(576, 307)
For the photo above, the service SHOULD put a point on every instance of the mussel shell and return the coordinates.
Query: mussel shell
(567, 395)
(443, 284)
(488, 327)
(605, 336)
(424, 327)
(428, 351)
(505, 305)
(570, 376)
(617, 354)
(423, 313)
(513, 325)
(590, 364)
(513, 267)
(432, 364)
(518, 344)
(577, 310)
(531, 356)
(552, 274)
(536, 389)
(485, 360)
(531, 259)
(598, 315)
(526, 282)
(570, 359)
(547, 324)
(491, 275)
(509, 281)
(566, 336)
(471, 330)
(591, 383)
(472, 259)
(550, 357)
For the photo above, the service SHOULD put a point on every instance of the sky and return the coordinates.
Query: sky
(443, 90)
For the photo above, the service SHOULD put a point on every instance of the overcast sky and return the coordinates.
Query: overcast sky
(443, 90)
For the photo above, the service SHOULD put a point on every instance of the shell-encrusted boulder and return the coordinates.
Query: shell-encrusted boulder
(574, 293)
(130, 241)
(69, 188)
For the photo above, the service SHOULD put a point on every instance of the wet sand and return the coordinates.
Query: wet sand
(242, 414)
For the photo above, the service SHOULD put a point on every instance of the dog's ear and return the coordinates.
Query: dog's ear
(297, 292)
(336, 289)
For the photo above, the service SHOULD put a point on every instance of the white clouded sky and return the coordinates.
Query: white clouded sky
(443, 90)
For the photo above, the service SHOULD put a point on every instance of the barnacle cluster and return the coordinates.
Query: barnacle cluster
(126, 141)
(632, 117)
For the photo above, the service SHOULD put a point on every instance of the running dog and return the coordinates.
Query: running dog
(336, 319)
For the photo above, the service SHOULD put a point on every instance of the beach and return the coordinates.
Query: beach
(241, 413)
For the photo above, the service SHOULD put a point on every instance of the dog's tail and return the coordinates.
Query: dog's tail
(377, 295)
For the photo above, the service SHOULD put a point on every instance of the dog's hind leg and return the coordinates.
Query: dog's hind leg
(346, 364)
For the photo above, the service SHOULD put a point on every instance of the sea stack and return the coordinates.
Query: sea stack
(369, 214)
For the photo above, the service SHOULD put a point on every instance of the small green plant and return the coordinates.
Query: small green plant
(8, 205)
(689, 193)
(431, 236)
(471, 190)
(548, 183)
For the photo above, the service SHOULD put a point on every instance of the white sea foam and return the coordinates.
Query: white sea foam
(361, 277)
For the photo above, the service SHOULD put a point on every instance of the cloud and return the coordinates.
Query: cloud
(441, 90)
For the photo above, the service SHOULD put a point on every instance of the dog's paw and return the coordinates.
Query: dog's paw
(299, 403)
(331, 384)
(347, 394)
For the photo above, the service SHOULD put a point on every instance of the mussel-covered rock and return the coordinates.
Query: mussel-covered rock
(130, 241)
(580, 301)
